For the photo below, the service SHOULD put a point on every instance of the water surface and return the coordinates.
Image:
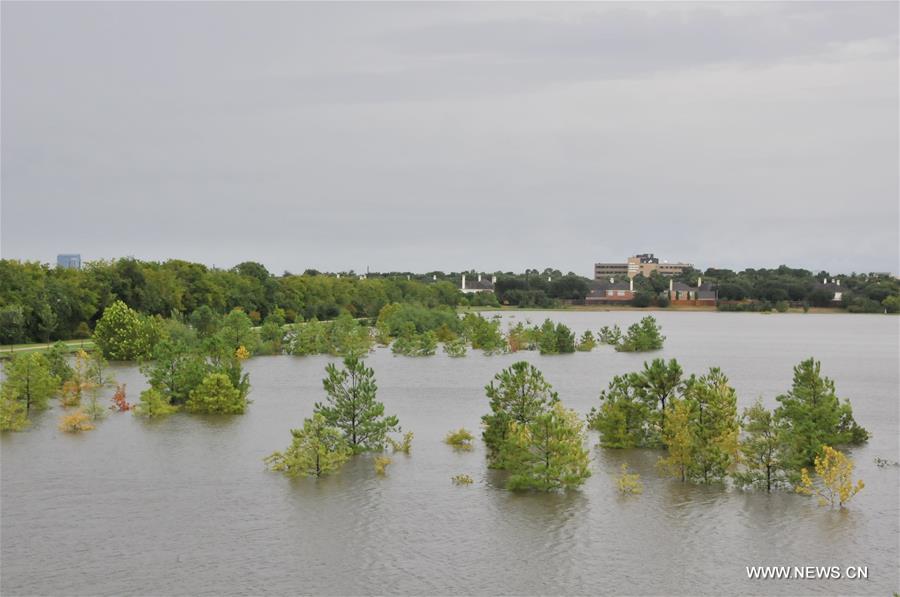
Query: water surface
(184, 506)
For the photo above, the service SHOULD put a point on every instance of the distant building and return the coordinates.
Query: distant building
(680, 293)
(609, 291)
(478, 285)
(69, 261)
(643, 264)
(833, 287)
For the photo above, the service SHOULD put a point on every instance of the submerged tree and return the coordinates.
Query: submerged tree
(760, 450)
(216, 395)
(835, 473)
(813, 416)
(679, 439)
(624, 418)
(351, 406)
(519, 396)
(13, 416)
(546, 453)
(29, 379)
(316, 450)
(715, 425)
(642, 336)
(153, 404)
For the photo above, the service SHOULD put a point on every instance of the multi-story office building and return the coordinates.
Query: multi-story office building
(69, 261)
(643, 264)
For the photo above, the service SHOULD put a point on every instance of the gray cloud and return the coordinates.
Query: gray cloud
(420, 136)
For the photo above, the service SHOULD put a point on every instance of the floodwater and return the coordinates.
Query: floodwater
(184, 506)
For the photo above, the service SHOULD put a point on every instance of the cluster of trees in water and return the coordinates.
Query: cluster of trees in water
(695, 420)
(39, 303)
(196, 366)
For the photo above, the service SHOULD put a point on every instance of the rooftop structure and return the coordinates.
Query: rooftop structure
(478, 285)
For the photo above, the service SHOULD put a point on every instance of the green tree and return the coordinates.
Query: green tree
(547, 453)
(760, 450)
(624, 419)
(13, 416)
(237, 330)
(642, 336)
(217, 395)
(714, 424)
(520, 395)
(59, 364)
(315, 450)
(813, 416)
(153, 404)
(122, 334)
(678, 435)
(28, 377)
(350, 405)
(587, 342)
(657, 383)
(175, 371)
(205, 321)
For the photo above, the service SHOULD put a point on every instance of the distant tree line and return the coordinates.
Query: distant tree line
(39, 303)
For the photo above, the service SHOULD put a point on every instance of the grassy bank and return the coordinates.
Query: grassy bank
(7, 350)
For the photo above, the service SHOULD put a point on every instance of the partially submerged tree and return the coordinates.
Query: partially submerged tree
(316, 450)
(350, 405)
(760, 450)
(813, 416)
(547, 453)
(13, 416)
(29, 379)
(835, 473)
(153, 404)
(216, 395)
(520, 395)
(642, 336)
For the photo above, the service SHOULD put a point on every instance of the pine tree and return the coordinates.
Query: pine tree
(624, 419)
(521, 394)
(813, 416)
(546, 453)
(678, 435)
(715, 425)
(351, 406)
(315, 450)
(760, 450)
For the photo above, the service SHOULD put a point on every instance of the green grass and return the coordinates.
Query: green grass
(7, 350)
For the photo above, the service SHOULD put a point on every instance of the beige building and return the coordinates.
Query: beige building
(643, 264)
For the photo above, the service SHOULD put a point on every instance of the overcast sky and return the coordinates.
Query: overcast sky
(452, 136)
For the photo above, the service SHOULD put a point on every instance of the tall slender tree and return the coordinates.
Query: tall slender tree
(351, 406)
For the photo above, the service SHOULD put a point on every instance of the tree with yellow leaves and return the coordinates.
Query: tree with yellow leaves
(835, 473)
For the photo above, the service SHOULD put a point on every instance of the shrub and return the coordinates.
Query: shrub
(75, 422)
(404, 445)
(381, 464)
(629, 483)
(461, 440)
(462, 479)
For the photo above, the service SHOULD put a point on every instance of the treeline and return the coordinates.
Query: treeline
(39, 303)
